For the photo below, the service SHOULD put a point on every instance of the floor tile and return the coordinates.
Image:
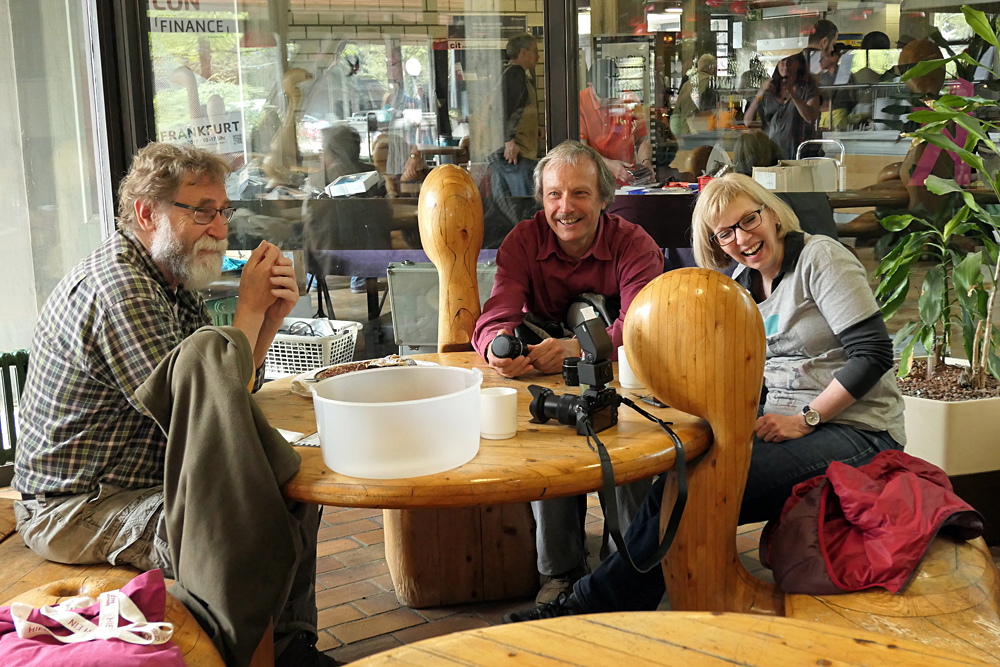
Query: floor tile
(376, 625)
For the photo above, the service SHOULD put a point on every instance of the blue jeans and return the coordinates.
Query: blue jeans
(775, 467)
(513, 180)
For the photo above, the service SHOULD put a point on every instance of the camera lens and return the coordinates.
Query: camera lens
(571, 371)
(505, 346)
(547, 405)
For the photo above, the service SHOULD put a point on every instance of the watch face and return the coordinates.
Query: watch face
(812, 418)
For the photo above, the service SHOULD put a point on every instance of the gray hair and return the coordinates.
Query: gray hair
(518, 42)
(571, 152)
(157, 172)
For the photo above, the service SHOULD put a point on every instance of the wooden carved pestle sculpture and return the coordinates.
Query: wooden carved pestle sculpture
(450, 214)
(696, 339)
(451, 556)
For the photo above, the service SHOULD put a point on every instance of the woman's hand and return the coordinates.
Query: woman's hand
(779, 428)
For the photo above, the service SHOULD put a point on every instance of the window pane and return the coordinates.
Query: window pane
(711, 63)
(53, 190)
(333, 116)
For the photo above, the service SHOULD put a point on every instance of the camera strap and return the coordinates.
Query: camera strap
(611, 501)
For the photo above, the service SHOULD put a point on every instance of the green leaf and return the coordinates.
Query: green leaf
(896, 223)
(931, 301)
(906, 359)
(962, 101)
(897, 299)
(993, 365)
(927, 116)
(967, 276)
(926, 337)
(961, 216)
(892, 279)
(943, 142)
(980, 25)
(942, 186)
(903, 334)
(923, 67)
(968, 334)
(964, 228)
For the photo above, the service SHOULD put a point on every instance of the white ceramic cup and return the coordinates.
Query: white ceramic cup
(498, 413)
(626, 378)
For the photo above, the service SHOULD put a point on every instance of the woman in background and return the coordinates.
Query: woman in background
(788, 105)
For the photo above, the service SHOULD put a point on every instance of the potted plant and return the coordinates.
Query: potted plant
(958, 297)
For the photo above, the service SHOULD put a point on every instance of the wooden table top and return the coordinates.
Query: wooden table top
(688, 639)
(542, 460)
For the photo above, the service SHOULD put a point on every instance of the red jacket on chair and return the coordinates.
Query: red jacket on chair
(855, 528)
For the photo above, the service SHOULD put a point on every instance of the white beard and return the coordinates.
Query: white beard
(189, 268)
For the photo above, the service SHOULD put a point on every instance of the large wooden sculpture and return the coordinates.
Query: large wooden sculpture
(450, 215)
(696, 339)
(448, 556)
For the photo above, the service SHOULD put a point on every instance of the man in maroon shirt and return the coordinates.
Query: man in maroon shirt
(570, 248)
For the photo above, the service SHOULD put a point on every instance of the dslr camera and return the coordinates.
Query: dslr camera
(598, 404)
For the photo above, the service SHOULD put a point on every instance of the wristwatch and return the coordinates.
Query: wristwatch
(811, 417)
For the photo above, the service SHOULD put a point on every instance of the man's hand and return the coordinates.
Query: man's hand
(548, 355)
(509, 368)
(284, 289)
(618, 170)
(779, 428)
(255, 282)
(510, 151)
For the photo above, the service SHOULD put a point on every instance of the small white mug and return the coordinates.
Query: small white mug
(626, 378)
(498, 413)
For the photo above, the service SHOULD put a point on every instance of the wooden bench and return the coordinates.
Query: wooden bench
(697, 341)
(29, 578)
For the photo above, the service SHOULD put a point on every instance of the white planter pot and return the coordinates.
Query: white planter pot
(960, 437)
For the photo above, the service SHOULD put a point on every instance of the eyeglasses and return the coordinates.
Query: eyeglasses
(727, 235)
(205, 215)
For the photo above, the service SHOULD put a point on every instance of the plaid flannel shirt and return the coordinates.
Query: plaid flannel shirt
(107, 325)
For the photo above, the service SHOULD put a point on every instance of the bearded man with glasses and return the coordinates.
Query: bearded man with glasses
(140, 443)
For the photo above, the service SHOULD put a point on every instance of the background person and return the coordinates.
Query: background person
(830, 391)
(514, 163)
(569, 248)
(615, 127)
(788, 104)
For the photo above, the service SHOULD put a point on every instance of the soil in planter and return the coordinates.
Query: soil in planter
(945, 385)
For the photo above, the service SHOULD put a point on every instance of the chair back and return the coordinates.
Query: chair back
(696, 339)
(450, 215)
(13, 373)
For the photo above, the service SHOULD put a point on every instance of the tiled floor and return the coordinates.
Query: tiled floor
(359, 614)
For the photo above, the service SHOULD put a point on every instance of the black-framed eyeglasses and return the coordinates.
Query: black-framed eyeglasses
(204, 215)
(727, 235)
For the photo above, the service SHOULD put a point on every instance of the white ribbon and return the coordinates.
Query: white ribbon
(113, 604)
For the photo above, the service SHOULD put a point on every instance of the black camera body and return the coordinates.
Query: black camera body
(598, 402)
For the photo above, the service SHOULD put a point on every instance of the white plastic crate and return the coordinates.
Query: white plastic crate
(291, 354)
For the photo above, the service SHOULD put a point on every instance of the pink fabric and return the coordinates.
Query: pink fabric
(535, 276)
(924, 168)
(149, 594)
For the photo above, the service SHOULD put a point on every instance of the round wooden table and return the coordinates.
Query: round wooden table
(541, 461)
(684, 639)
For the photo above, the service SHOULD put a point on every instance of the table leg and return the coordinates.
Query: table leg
(449, 556)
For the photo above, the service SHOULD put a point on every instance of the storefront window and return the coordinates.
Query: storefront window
(56, 193)
(297, 98)
(724, 74)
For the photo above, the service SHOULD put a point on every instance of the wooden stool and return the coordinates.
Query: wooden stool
(29, 578)
(447, 556)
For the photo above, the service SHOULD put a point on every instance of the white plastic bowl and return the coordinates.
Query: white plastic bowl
(402, 421)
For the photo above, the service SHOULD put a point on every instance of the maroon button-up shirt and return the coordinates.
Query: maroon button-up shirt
(535, 275)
